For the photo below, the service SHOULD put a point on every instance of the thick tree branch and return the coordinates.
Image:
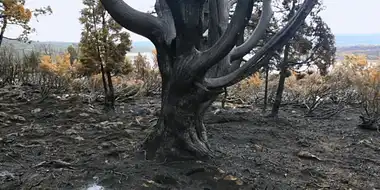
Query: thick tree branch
(223, 16)
(231, 3)
(236, 63)
(165, 15)
(226, 42)
(175, 8)
(187, 16)
(266, 52)
(136, 21)
(206, 19)
(258, 33)
(218, 21)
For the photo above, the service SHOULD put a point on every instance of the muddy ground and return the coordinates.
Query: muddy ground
(66, 143)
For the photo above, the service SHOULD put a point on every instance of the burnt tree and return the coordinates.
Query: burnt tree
(197, 57)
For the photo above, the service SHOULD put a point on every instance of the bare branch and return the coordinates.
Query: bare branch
(134, 20)
(12, 39)
(266, 52)
(258, 33)
(227, 41)
(310, 58)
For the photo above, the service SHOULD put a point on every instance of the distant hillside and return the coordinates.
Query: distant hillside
(371, 51)
(138, 46)
(342, 40)
(368, 44)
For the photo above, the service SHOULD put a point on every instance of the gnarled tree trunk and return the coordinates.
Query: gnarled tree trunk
(180, 131)
(196, 65)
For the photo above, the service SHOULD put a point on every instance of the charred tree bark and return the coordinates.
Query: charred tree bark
(111, 92)
(225, 95)
(266, 88)
(2, 30)
(284, 73)
(104, 80)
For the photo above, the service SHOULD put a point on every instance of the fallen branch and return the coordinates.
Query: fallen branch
(307, 155)
(368, 124)
(54, 164)
(331, 113)
(369, 145)
(27, 146)
(223, 119)
(377, 162)
(372, 146)
(22, 165)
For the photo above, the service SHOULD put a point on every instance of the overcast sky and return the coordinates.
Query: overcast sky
(343, 16)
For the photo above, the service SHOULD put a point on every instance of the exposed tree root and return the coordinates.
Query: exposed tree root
(190, 144)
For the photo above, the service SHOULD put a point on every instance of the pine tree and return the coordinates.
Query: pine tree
(142, 66)
(103, 45)
(73, 54)
(313, 44)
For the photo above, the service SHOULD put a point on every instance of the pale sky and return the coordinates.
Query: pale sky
(343, 17)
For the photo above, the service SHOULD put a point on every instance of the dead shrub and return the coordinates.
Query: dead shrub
(10, 65)
(312, 90)
(247, 91)
(152, 82)
(365, 79)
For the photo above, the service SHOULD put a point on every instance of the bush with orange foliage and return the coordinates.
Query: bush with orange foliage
(55, 72)
(59, 66)
(15, 10)
(247, 90)
(46, 65)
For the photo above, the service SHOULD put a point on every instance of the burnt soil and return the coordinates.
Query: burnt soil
(64, 142)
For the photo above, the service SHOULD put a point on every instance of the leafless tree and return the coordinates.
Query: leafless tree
(198, 56)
